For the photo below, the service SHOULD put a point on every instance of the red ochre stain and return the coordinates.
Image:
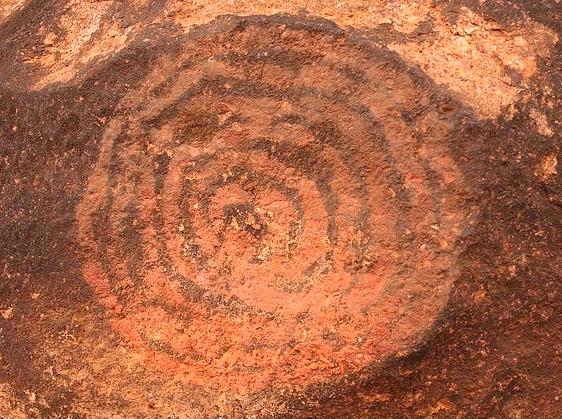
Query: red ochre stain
(274, 206)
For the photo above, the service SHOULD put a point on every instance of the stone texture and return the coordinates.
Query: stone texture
(263, 209)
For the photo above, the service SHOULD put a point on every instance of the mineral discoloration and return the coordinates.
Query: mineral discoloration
(82, 34)
(497, 60)
(10, 406)
(10, 6)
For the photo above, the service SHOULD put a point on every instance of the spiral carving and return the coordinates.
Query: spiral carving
(275, 205)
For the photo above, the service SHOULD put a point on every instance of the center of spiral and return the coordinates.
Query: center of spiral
(245, 217)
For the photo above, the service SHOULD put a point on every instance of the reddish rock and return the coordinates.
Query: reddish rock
(348, 211)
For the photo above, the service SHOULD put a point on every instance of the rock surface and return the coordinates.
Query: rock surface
(270, 209)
